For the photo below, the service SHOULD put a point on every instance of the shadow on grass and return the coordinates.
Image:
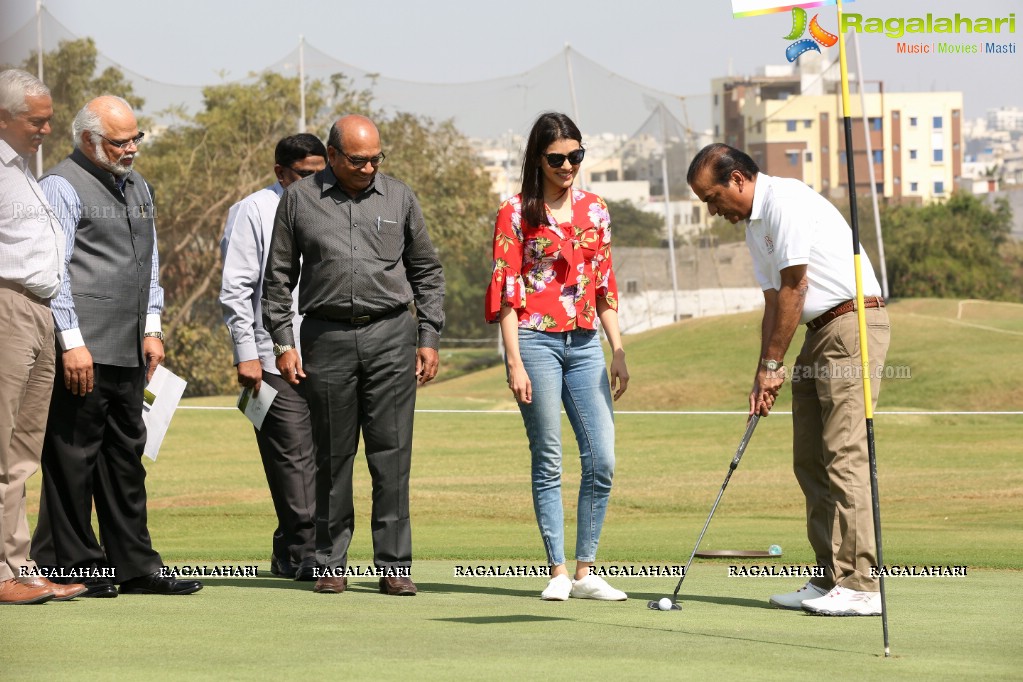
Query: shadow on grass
(724, 601)
(731, 638)
(469, 588)
(258, 583)
(499, 620)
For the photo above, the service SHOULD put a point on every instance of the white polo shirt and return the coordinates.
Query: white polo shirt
(791, 224)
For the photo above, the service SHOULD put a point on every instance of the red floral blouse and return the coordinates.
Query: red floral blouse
(552, 275)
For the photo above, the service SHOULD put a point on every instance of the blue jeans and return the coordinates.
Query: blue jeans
(568, 368)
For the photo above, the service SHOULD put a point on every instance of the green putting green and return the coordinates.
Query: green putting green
(950, 496)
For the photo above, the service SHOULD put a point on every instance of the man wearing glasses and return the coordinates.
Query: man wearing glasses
(107, 317)
(285, 438)
(356, 240)
(31, 256)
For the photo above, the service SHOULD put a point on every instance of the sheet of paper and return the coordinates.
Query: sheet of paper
(160, 400)
(255, 407)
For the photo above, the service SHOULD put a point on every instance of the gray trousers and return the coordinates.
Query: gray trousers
(362, 378)
(289, 459)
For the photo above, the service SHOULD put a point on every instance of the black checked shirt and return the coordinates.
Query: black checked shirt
(351, 257)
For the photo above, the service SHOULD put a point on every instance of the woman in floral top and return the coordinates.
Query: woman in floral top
(552, 281)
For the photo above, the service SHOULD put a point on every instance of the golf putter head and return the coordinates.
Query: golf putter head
(654, 605)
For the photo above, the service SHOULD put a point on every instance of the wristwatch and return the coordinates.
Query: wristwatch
(154, 335)
(771, 365)
(282, 348)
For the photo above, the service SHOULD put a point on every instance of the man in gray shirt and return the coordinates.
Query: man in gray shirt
(355, 243)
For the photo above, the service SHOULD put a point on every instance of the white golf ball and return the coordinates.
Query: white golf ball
(664, 604)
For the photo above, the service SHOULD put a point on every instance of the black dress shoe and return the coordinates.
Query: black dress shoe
(98, 588)
(306, 571)
(281, 569)
(154, 583)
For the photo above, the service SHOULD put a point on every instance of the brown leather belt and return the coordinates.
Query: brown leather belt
(843, 308)
(4, 284)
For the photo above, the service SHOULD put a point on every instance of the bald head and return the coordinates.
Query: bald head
(351, 129)
(105, 130)
(353, 152)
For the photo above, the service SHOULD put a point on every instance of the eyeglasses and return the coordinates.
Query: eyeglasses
(124, 144)
(558, 160)
(301, 173)
(360, 162)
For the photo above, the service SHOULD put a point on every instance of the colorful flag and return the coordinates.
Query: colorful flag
(752, 8)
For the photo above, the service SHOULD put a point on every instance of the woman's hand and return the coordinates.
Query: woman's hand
(520, 385)
(619, 374)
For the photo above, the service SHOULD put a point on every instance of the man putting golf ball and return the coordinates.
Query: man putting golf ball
(800, 248)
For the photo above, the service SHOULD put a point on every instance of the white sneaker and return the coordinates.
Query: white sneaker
(794, 600)
(557, 589)
(595, 587)
(841, 601)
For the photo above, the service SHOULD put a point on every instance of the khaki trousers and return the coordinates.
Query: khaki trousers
(26, 382)
(829, 447)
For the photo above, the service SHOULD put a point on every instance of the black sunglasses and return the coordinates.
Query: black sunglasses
(359, 162)
(558, 160)
(301, 173)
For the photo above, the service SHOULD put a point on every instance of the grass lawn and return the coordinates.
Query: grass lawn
(950, 495)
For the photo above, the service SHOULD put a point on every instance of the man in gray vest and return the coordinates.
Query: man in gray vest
(107, 317)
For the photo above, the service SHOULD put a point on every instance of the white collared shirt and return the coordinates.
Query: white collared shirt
(31, 241)
(790, 224)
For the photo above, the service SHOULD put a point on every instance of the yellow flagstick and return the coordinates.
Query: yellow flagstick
(861, 316)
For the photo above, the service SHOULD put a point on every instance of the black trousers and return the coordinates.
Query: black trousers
(289, 459)
(362, 378)
(93, 450)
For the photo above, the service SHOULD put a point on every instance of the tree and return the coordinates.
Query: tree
(439, 164)
(951, 249)
(70, 73)
(631, 226)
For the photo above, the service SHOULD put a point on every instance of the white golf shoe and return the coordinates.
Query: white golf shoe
(557, 589)
(841, 601)
(595, 587)
(794, 600)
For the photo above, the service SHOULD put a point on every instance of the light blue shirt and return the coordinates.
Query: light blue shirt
(244, 249)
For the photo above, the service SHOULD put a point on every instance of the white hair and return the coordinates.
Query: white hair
(89, 119)
(16, 86)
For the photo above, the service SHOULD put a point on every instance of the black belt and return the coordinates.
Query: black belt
(361, 319)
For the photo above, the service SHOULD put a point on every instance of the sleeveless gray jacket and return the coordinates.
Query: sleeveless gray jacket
(111, 267)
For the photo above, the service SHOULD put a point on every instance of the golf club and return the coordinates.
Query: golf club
(662, 605)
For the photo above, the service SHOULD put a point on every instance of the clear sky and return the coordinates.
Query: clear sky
(672, 45)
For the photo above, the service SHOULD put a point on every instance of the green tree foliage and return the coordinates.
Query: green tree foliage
(956, 248)
(721, 231)
(631, 226)
(454, 192)
(70, 73)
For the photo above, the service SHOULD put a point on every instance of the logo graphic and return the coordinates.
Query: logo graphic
(817, 35)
